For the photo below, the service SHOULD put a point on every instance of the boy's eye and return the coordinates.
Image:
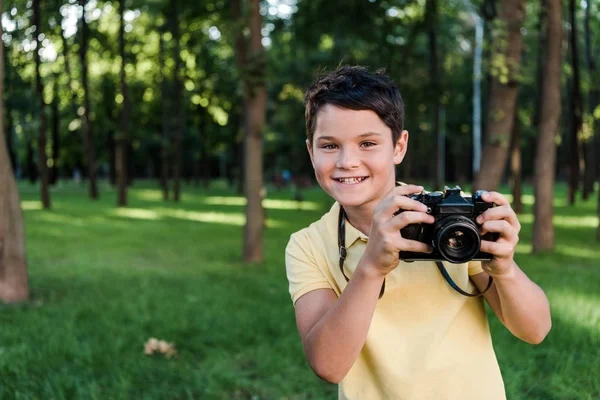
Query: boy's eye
(329, 146)
(368, 144)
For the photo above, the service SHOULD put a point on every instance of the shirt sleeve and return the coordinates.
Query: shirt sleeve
(301, 267)
(475, 268)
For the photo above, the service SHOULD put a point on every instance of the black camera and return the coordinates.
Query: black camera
(454, 235)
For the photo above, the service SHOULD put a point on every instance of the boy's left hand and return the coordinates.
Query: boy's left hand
(502, 220)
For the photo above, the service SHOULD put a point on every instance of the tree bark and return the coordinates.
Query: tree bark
(503, 96)
(10, 126)
(165, 138)
(14, 284)
(55, 170)
(515, 166)
(90, 142)
(592, 155)
(545, 161)
(432, 15)
(204, 148)
(39, 85)
(251, 67)
(122, 139)
(178, 93)
(574, 172)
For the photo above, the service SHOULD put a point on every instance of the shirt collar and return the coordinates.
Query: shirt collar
(352, 234)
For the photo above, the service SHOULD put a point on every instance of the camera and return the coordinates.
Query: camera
(454, 235)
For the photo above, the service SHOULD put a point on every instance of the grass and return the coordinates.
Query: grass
(104, 280)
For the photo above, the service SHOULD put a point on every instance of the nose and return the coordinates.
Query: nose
(347, 159)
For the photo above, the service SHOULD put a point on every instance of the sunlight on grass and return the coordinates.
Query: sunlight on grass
(31, 205)
(267, 203)
(148, 194)
(529, 199)
(237, 219)
(576, 308)
(588, 221)
(136, 213)
(59, 218)
(523, 248)
(578, 252)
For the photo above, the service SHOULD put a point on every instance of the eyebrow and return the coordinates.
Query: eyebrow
(362, 135)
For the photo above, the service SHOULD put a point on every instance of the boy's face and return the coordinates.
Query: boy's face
(354, 156)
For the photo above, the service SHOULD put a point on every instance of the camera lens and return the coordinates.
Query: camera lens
(457, 239)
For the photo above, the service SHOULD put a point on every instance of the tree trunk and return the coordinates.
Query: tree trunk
(90, 143)
(32, 170)
(515, 166)
(591, 169)
(574, 172)
(477, 61)
(10, 126)
(432, 15)
(69, 76)
(165, 139)
(544, 168)
(39, 85)
(503, 96)
(204, 145)
(178, 93)
(122, 139)
(55, 170)
(251, 67)
(14, 284)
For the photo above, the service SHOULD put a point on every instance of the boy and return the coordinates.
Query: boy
(421, 339)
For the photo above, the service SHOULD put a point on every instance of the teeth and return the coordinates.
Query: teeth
(351, 181)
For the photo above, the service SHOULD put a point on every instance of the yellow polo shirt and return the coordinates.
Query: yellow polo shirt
(425, 341)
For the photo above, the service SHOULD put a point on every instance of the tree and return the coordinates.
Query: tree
(14, 285)
(507, 47)
(251, 65)
(575, 111)
(434, 73)
(515, 166)
(39, 85)
(90, 141)
(177, 98)
(545, 160)
(164, 143)
(122, 139)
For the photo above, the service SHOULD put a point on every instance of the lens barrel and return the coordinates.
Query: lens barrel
(457, 239)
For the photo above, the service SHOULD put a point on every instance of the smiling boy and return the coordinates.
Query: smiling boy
(395, 330)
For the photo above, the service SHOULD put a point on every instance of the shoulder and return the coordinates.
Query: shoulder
(318, 232)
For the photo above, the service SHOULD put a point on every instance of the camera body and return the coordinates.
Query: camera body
(454, 235)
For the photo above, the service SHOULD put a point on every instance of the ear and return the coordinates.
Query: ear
(310, 152)
(401, 147)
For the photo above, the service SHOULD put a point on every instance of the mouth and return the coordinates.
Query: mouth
(352, 180)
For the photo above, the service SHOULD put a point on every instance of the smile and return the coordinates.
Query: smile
(351, 181)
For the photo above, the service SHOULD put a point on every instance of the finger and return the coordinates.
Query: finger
(498, 250)
(496, 198)
(500, 213)
(406, 218)
(503, 227)
(406, 189)
(397, 203)
(416, 246)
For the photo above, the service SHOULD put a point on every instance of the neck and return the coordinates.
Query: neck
(360, 217)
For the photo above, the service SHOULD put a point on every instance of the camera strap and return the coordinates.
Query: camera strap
(343, 253)
(454, 286)
(342, 246)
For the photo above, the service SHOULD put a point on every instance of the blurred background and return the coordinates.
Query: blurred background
(153, 165)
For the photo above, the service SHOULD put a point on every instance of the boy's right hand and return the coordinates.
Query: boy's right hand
(385, 240)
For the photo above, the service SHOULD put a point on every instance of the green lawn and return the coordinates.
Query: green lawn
(104, 280)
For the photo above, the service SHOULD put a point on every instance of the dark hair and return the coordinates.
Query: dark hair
(355, 88)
